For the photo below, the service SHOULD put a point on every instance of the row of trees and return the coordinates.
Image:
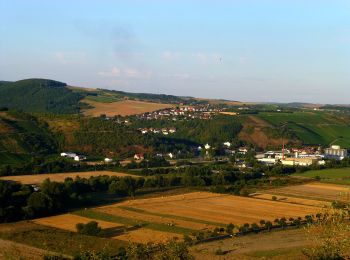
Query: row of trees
(24, 201)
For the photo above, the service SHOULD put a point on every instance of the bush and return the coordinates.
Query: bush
(91, 228)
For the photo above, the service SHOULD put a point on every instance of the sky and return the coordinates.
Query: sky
(246, 50)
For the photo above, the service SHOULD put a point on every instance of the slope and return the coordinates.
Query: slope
(39, 95)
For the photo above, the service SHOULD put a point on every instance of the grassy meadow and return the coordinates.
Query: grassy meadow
(337, 176)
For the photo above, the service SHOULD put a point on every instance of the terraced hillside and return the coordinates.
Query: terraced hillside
(313, 127)
(23, 136)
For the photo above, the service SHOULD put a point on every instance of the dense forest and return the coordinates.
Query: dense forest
(98, 136)
(215, 131)
(40, 95)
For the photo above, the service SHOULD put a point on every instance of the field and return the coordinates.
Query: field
(315, 191)
(123, 108)
(338, 176)
(293, 200)
(313, 127)
(69, 221)
(60, 177)
(280, 245)
(165, 217)
(24, 239)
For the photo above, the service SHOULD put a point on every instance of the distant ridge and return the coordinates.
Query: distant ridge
(39, 95)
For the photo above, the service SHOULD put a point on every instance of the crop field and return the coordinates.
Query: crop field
(145, 235)
(69, 221)
(60, 177)
(338, 176)
(287, 244)
(176, 215)
(316, 191)
(313, 127)
(293, 200)
(123, 108)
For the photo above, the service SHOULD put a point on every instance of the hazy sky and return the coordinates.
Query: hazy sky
(281, 50)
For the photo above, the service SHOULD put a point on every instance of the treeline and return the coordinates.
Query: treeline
(25, 202)
(51, 165)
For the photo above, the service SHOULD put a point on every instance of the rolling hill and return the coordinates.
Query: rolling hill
(39, 95)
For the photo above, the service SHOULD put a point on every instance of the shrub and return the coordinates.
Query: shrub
(91, 228)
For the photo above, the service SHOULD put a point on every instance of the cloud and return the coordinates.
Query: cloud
(126, 73)
(207, 57)
(114, 72)
(70, 57)
(170, 56)
(177, 76)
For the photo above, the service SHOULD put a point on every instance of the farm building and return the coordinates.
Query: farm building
(139, 156)
(68, 155)
(300, 161)
(335, 152)
(79, 158)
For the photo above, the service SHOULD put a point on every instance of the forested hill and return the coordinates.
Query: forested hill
(39, 95)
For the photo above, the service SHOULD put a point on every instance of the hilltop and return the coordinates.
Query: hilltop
(39, 95)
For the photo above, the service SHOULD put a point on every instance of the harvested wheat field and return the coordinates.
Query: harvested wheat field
(318, 191)
(60, 177)
(293, 200)
(149, 216)
(69, 221)
(123, 108)
(202, 207)
(144, 235)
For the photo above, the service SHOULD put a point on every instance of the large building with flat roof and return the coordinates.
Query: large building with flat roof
(335, 152)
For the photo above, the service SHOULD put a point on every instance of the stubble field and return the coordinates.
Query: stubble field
(60, 177)
(162, 218)
(123, 108)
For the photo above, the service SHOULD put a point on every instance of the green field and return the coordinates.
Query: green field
(313, 128)
(338, 176)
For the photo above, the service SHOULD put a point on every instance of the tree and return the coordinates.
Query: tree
(91, 228)
(330, 237)
(268, 225)
(255, 227)
(229, 228)
(39, 203)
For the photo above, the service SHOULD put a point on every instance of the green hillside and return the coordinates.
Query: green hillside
(22, 136)
(313, 127)
(39, 95)
(339, 176)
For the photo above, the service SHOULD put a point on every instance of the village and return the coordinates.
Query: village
(301, 157)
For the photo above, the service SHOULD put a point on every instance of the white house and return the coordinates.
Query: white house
(108, 160)
(227, 144)
(79, 158)
(207, 146)
(68, 154)
(171, 155)
(172, 130)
